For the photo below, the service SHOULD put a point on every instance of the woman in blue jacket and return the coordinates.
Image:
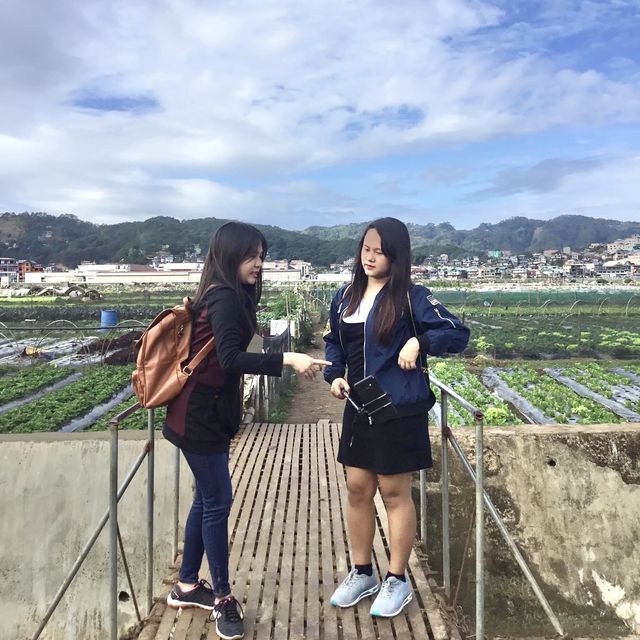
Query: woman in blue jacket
(382, 325)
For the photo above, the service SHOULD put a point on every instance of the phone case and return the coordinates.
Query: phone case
(375, 402)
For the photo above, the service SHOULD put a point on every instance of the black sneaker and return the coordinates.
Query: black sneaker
(200, 596)
(228, 615)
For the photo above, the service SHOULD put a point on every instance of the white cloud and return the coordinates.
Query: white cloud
(263, 92)
(603, 189)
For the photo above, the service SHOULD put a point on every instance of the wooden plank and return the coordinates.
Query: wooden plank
(297, 617)
(427, 599)
(313, 550)
(411, 614)
(359, 624)
(183, 620)
(285, 579)
(240, 447)
(271, 585)
(246, 559)
(245, 470)
(257, 437)
(198, 624)
(366, 623)
(241, 468)
(243, 501)
(262, 522)
(334, 617)
(167, 623)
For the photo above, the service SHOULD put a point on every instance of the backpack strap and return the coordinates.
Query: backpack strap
(199, 357)
(204, 352)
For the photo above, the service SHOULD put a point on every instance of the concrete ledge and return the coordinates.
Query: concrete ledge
(53, 493)
(570, 496)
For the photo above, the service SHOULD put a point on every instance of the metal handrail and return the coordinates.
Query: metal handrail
(111, 516)
(481, 499)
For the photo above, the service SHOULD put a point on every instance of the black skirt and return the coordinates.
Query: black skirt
(398, 446)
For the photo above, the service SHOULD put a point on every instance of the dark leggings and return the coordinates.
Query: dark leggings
(206, 527)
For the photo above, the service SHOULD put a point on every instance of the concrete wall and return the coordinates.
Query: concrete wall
(53, 492)
(570, 496)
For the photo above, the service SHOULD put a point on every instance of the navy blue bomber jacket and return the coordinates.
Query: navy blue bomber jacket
(438, 332)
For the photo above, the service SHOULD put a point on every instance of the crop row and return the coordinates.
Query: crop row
(454, 374)
(633, 367)
(54, 410)
(607, 383)
(136, 421)
(533, 337)
(556, 401)
(29, 380)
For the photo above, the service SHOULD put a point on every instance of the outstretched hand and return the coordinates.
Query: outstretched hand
(304, 364)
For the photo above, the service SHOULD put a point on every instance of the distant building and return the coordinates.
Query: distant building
(181, 266)
(303, 267)
(8, 265)
(626, 244)
(28, 266)
(275, 265)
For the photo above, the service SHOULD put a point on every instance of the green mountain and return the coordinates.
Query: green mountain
(516, 234)
(68, 240)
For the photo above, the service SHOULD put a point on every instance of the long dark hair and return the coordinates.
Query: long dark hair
(396, 246)
(230, 245)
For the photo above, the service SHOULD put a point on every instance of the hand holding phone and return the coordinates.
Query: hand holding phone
(340, 388)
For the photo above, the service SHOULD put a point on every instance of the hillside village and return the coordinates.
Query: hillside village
(616, 261)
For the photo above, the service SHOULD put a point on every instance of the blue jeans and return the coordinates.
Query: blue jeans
(206, 527)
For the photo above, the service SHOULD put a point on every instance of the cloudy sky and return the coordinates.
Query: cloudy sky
(301, 112)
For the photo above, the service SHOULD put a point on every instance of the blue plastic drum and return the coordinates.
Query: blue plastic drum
(108, 318)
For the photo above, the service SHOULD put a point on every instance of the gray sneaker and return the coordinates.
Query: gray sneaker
(394, 596)
(353, 588)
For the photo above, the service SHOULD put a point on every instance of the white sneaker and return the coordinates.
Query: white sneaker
(353, 588)
(394, 596)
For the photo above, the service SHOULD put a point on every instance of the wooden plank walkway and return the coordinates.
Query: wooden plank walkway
(288, 549)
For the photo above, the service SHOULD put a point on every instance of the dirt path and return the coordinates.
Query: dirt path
(312, 401)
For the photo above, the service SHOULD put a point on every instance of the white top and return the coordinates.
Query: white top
(361, 313)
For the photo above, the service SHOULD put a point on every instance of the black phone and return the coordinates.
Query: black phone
(375, 403)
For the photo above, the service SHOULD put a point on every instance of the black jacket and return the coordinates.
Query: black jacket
(206, 414)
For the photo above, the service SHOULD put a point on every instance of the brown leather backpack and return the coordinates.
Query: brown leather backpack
(163, 350)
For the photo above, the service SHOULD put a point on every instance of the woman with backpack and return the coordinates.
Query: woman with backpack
(205, 416)
(382, 325)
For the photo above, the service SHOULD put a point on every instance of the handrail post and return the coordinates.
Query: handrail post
(150, 492)
(176, 502)
(444, 492)
(113, 532)
(423, 507)
(479, 422)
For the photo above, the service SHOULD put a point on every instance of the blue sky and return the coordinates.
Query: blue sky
(299, 113)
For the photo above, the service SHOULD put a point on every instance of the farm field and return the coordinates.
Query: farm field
(544, 392)
(534, 357)
(508, 392)
(54, 410)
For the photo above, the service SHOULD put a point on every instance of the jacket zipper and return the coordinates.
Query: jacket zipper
(340, 325)
(364, 346)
